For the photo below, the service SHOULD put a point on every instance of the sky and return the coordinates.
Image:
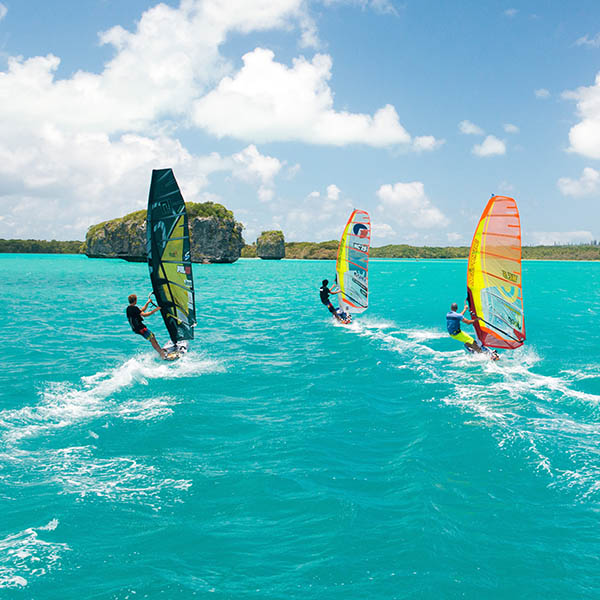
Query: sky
(293, 112)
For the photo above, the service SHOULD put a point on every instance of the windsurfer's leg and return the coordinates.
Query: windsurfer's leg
(331, 309)
(156, 345)
(467, 340)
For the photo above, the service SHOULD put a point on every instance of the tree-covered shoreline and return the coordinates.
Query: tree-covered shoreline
(14, 246)
(328, 250)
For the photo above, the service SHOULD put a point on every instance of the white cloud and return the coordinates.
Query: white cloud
(251, 166)
(79, 149)
(491, 146)
(408, 205)
(587, 185)
(267, 101)
(469, 128)
(510, 128)
(333, 192)
(542, 93)
(585, 135)
(591, 42)
(511, 12)
(3, 11)
(381, 232)
(379, 6)
(548, 238)
(426, 143)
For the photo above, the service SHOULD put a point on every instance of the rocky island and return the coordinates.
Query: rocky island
(215, 236)
(270, 245)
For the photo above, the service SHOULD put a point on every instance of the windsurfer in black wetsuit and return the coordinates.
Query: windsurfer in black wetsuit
(325, 292)
(135, 316)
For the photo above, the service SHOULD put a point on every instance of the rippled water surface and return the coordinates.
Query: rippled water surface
(289, 457)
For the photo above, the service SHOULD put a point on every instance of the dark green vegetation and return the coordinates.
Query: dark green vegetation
(328, 251)
(308, 250)
(194, 209)
(40, 247)
(249, 251)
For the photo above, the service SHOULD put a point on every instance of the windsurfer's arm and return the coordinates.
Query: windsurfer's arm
(145, 306)
(469, 321)
(144, 314)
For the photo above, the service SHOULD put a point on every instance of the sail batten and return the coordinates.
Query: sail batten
(352, 266)
(494, 287)
(169, 259)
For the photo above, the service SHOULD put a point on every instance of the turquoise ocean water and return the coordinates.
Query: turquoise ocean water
(289, 457)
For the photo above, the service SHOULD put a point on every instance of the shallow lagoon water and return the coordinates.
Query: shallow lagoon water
(289, 457)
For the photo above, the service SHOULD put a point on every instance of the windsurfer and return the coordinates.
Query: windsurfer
(453, 319)
(325, 292)
(136, 316)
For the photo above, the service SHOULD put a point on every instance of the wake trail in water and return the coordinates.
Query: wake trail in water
(65, 404)
(545, 417)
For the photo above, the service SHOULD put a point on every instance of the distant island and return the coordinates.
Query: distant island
(215, 235)
(316, 250)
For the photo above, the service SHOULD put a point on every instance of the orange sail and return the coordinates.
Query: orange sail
(494, 289)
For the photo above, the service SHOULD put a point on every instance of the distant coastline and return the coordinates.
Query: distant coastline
(328, 250)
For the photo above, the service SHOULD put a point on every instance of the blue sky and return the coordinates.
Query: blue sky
(292, 112)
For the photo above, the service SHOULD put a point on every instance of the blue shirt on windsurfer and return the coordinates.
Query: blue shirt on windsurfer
(453, 320)
(135, 316)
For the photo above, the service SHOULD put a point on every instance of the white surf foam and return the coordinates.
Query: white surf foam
(25, 554)
(65, 404)
(77, 471)
(536, 414)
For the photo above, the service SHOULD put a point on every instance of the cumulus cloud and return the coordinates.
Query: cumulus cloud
(3, 11)
(491, 146)
(381, 232)
(587, 185)
(408, 205)
(469, 128)
(251, 166)
(542, 93)
(268, 101)
(548, 238)
(79, 149)
(591, 42)
(511, 12)
(426, 143)
(585, 135)
(108, 177)
(510, 128)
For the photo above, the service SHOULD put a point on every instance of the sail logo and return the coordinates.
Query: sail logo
(361, 247)
(181, 269)
(362, 231)
(510, 276)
